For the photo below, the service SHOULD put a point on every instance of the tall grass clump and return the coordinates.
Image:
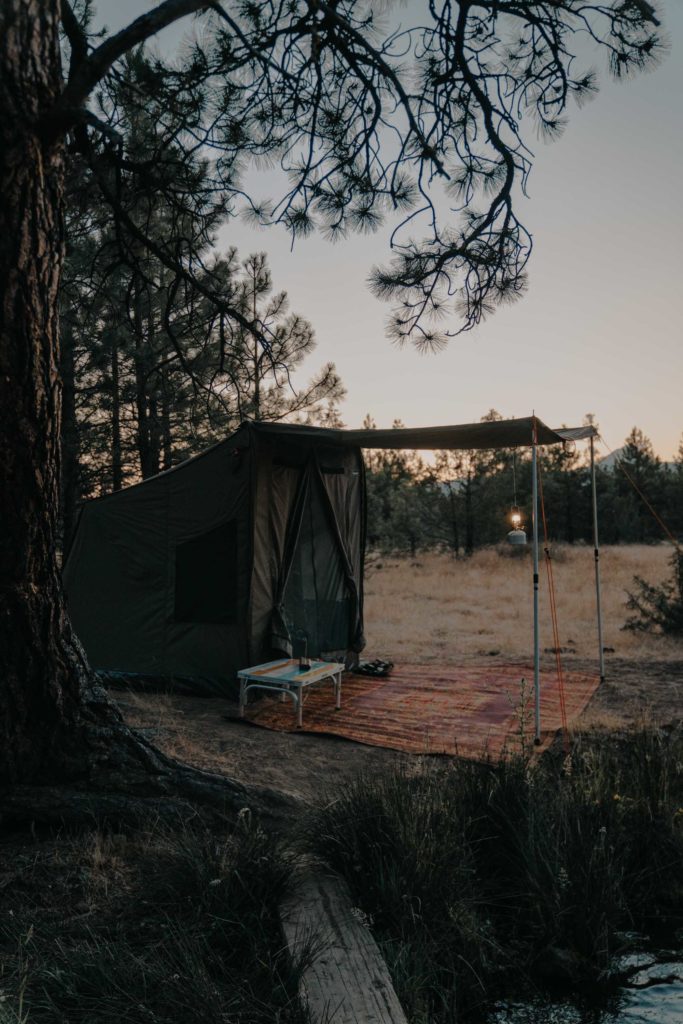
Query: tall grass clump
(484, 879)
(171, 926)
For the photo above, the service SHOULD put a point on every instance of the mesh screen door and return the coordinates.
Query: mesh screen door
(316, 600)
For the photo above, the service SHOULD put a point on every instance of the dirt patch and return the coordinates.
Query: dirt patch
(206, 732)
(637, 689)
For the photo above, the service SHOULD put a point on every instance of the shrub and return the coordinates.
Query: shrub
(659, 609)
(485, 878)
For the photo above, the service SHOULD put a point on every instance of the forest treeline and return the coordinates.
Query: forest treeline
(153, 372)
(460, 501)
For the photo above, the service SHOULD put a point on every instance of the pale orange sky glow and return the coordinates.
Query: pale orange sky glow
(599, 328)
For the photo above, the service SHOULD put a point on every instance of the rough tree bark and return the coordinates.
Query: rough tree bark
(57, 727)
(39, 665)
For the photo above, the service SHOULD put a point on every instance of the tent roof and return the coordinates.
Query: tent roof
(486, 434)
(515, 433)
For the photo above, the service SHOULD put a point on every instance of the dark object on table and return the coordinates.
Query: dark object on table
(300, 650)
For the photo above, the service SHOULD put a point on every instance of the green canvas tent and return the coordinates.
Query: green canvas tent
(223, 560)
(227, 559)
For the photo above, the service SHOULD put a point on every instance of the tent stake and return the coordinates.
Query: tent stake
(537, 645)
(596, 549)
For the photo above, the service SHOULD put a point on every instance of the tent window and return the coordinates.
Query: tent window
(206, 577)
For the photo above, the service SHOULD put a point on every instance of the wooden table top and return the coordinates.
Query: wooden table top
(286, 670)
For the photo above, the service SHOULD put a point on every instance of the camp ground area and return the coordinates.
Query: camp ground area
(256, 551)
(464, 615)
(466, 710)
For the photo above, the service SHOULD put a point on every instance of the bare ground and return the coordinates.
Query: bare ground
(455, 611)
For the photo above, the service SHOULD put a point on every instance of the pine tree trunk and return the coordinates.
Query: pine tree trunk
(155, 436)
(469, 517)
(154, 433)
(570, 533)
(116, 453)
(39, 665)
(166, 422)
(455, 532)
(257, 365)
(141, 397)
(256, 403)
(57, 728)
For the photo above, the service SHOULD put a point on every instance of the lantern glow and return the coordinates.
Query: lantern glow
(517, 535)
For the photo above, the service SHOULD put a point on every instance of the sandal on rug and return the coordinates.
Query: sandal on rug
(375, 668)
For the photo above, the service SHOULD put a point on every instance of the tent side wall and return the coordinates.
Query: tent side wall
(209, 563)
(115, 580)
(158, 576)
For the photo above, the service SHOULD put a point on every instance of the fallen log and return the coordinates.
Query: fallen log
(347, 980)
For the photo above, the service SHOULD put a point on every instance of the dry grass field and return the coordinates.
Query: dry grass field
(478, 609)
(437, 607)
(471, 610)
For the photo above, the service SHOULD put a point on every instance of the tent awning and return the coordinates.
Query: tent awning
(487, 434)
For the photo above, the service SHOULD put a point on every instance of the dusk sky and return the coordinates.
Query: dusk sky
(599, 329)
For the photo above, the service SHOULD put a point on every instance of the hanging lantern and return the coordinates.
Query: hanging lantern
(517, 534)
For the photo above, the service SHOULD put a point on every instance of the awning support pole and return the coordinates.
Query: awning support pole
(537, 643)
(596, 550)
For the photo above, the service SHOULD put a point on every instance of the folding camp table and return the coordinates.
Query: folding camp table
(289, 680)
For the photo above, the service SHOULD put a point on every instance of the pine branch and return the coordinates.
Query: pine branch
(94, 67)
(77, 38)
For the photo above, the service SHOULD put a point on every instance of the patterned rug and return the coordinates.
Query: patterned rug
(468, 711)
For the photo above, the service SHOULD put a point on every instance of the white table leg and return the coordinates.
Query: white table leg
(300, 708)
(337, 692)
(243, 687)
